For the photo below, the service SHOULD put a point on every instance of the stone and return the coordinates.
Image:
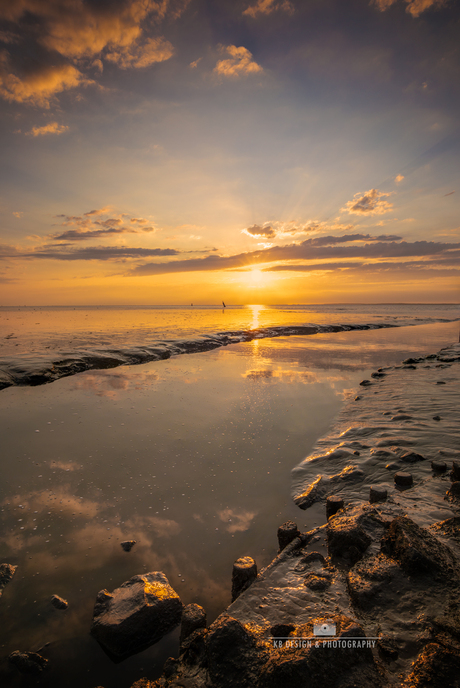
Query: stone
(59, 602)
(436, 666)
(377, 494)
(7, 572)
(412, 457)
(333, 505)
(365, 383)
(454, 490)
(318, 581)
(244, 573)
(439, 466)
(193, 618)
(233, 655)
(403, 479)
(28, 662)
(436, 417)
(286, 534)
(455, 472)
(320, 666)
(135, 615)
(127, 545)
(346, 538)
(416, 550)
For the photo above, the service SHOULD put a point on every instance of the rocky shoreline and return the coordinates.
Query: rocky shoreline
(372, 596)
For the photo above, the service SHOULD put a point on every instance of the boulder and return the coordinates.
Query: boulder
(28, 662)
(193, 618)
(135, 615)
(346, 538)
(416, 550)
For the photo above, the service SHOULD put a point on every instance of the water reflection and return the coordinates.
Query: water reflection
(198, 474)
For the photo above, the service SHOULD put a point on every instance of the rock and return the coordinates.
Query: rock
(127, 545)
(243, 574)
(436, 666)
(455, 472)
(346, 538)
(59, 602)
(401, 416)
(416, 550)
(412, 457)
(403, 479)
(321, 665)
(136, 615)
(388, 648)
(454, 490)
(439, 466)
(365, 383)
(318, 581)
(282, 630)
(7, 572)
(333, 505)
(436, 417)
(377, 494)
(287, 533)
(233, 655)
(28, 662)
(193, 618)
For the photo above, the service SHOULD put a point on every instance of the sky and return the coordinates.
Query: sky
(256, 151)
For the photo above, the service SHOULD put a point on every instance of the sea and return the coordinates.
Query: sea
(177, 427)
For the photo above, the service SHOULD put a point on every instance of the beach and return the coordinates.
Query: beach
(191, 457)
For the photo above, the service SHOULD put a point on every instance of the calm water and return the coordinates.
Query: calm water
(190, 457)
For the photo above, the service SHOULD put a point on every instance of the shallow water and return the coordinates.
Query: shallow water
(39, 345)
(191, 457)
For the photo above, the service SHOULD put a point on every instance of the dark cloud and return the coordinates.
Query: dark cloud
(368, 203)
(68, 252)
(260, 231)
(85, 235)
(52, 43)
(302, 251)
(88, 227)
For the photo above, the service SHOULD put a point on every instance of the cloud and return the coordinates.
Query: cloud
(18, 213)
(306, 250)
(239, 64)
(92, 225)
(51, 128)
(38, 87)
(269, 6)
(280, 228)
(368, 203)
(60, 38)
(260, 231)
(153, 50)
(399, 178)
(414, 7)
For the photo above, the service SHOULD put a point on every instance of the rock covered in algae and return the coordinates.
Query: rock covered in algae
(135, 615)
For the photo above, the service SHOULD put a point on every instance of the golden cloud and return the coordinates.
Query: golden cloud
(269, 6)
(153, 50)
(368, 203)
(51, 128)
(39, 88)
(414, 7)
(239, 64)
